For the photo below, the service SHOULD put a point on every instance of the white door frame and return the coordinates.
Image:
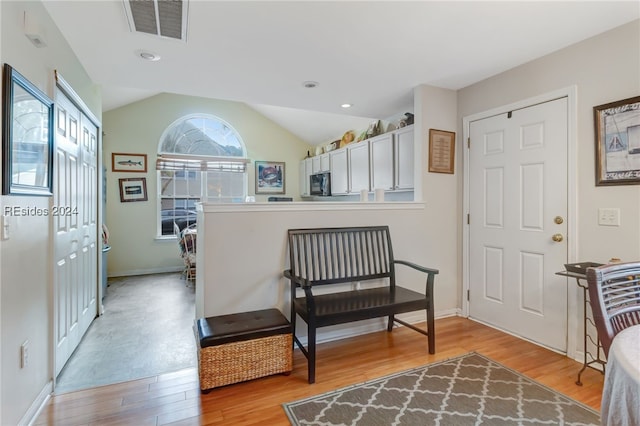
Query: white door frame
(573, 322)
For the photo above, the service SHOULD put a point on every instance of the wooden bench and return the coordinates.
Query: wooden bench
(327, 256)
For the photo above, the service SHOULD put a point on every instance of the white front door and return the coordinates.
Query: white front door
(74, 215)
(518, 212)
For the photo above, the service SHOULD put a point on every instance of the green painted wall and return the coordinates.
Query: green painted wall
(137, 128)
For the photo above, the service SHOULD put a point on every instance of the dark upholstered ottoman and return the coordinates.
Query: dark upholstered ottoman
(238, 347)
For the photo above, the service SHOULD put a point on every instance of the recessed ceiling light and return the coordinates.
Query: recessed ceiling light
(310, 84)
(147, 55)
(346, 105)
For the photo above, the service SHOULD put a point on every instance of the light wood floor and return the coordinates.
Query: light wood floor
(175, 398)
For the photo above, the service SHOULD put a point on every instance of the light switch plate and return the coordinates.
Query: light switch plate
(4, 227)
(608, 216)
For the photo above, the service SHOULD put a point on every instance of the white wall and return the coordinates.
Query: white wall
(242, 252)
(604, 69)
(137, 128)
(26, 284)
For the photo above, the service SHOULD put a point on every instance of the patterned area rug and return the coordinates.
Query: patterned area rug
(467, 390)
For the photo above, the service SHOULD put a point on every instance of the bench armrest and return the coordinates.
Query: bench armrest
(417, 267)
(298, 281)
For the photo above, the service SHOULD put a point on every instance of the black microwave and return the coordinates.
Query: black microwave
(320, 184)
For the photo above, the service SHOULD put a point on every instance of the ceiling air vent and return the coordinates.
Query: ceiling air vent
(164, 18)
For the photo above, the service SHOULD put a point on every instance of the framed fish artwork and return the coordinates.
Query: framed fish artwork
(133, 189)
(129, 162)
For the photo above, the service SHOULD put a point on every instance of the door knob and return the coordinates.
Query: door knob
(557, 237)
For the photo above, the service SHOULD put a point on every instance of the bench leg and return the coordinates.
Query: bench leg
(390, 323)
(292, 320)
(431, 331)
(311, 350)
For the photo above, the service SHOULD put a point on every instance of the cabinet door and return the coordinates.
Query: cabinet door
(305, 172)
(316, 164)
(325, 163)
(358, 167)
(302, 175)
(404, 158)
(339, 172)
(382, 162)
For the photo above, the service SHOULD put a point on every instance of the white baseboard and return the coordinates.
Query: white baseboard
(160, 270)
(37, 405)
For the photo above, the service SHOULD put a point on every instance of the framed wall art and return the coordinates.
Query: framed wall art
(128, 162)
(442, 146)
(27, 137)
(617, 130)
(270, 177)
(133, 189)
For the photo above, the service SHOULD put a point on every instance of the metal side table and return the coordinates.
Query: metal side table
(590, 359)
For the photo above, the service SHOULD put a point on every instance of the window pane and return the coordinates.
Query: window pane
(181, 211)
(180, 183)
(166, 183)
(179, 190)
(225, 187)
(202, 136)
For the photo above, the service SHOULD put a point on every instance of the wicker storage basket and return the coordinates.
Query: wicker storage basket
(239, 361)
(237, 347)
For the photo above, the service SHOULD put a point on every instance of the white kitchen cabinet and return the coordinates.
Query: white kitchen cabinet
(304, 173)
(339, 172)
(320, 163)
(315, 161)
(382, 164)
(325, 163)
(358, 167)
(404, 158)
(385, 161)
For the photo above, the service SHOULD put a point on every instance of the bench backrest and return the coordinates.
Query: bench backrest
(341, 255)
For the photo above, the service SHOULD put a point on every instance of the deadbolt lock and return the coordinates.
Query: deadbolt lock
(558, 220)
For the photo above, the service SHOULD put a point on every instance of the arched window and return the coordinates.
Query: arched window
(200, 158)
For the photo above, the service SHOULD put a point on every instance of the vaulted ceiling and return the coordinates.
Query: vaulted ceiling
(370, 54)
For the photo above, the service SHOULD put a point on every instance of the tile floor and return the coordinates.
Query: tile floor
(147, 329)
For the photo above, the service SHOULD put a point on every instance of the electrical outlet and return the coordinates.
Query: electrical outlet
(609, 217)
(24, 354)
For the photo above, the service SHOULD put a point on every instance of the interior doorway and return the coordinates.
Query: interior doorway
(146, 330)
(520, 219)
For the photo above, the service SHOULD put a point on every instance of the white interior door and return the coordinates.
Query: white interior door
(518, 211)
(74, 215)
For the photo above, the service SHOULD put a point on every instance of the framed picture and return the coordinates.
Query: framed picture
(27, 137)
(133, 189)
(270, 177)
(442, 146)
(617, 130)
(128, 162)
